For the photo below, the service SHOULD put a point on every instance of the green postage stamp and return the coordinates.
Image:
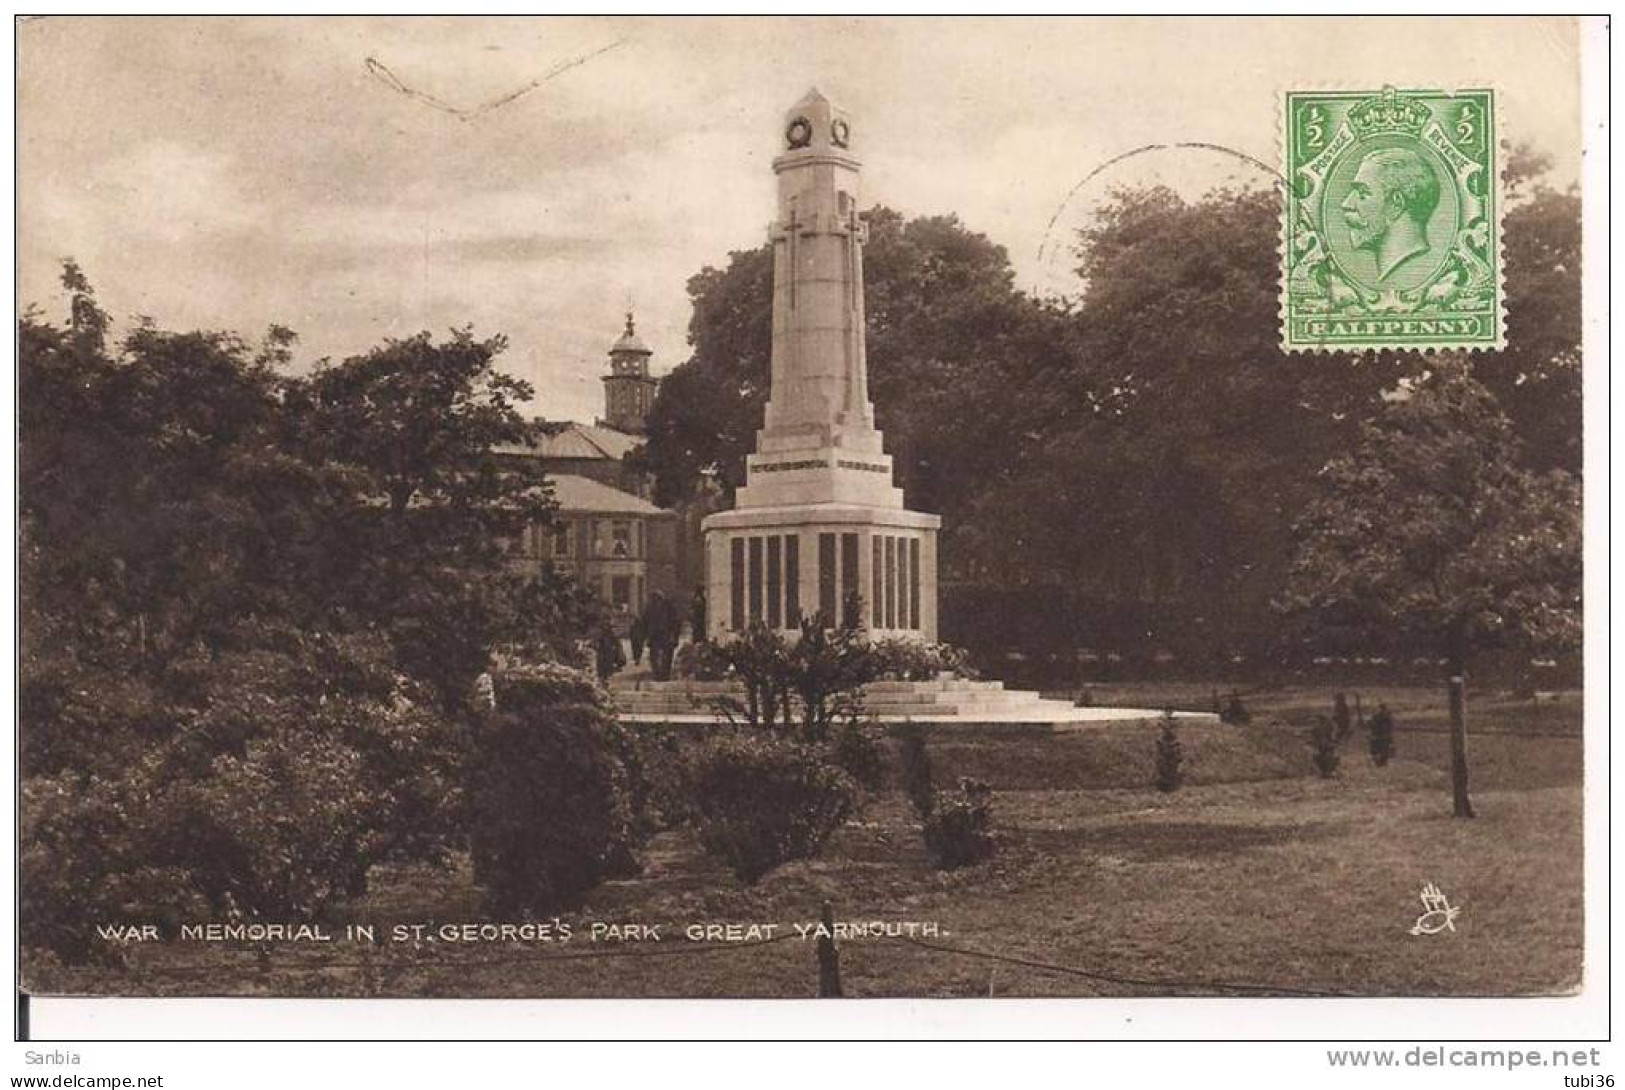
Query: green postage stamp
(1392, 237)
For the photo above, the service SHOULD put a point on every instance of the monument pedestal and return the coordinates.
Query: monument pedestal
(774, 565)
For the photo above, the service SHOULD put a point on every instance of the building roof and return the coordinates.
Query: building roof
(572, 440)
(583, 494)
(630, 341)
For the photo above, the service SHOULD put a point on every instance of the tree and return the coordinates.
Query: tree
(422, 551)
(1432, 532)
(235, 585)
(1537, 377)
(1187, 444)
(707, 411)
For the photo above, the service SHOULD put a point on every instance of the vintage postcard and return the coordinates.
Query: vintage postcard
(768, 508)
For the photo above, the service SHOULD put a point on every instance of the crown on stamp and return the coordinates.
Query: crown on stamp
(1388, 113)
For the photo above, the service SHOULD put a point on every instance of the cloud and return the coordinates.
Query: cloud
(235, 172)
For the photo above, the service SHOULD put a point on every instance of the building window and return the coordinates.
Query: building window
(620, 591)
(561, 540)
(620, 539)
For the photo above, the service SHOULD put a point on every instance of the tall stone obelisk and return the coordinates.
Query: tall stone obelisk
(819, 527)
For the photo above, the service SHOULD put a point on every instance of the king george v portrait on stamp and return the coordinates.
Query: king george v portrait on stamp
(1390, 201)
(1392, 230)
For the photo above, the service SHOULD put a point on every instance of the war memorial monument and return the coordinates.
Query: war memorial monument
(819, 526)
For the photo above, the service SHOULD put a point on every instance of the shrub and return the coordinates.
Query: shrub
(760, 659)
(701, 661)
(959, 828)
(828, 668)
(92, 852)
(856, 750)
(898, 658)
(261, 779)
(804, 688)
(1324, 748)
(1382, 736)
(763, 801)
(1235, 712)
(918, 782)
(533, 687)
(661, 784)
(551, 809)
(1342, 719)
(286, 829)
(1170, 755)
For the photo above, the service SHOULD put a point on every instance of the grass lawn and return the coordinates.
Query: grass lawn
(1256, 874)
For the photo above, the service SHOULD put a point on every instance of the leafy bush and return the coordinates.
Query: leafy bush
(898, 658)
(1170, 755)
(1342, 718)
(284, 830)
(760, 659)
(551, 807)
(856, 750)
(828, 668)
(662, 780)
(1382, 736)
(261, 780)
(1323, 745)
(536, 686)
(804, 687)
(918, 782)
(93, 852)
(763, 801)
(959, 827)
(702, 660)
(333, 695)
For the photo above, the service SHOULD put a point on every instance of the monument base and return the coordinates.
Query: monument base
(948, 702)
(774, 565)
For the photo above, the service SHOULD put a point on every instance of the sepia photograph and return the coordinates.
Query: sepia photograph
(789, 508)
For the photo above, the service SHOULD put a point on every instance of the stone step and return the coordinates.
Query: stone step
(618, 686)
(711, 688)
(953, 685)
(885, 710)
(937, 700)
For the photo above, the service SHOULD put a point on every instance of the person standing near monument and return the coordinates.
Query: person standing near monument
(640, 636)
(664, 625)
(607, 650)
(696, 615)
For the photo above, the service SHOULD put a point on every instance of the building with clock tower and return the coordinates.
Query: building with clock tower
(629, 389)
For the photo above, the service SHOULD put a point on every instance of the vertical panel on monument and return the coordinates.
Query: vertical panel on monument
(820, 467)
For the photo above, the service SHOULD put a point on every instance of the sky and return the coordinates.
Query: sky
(357, 179)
